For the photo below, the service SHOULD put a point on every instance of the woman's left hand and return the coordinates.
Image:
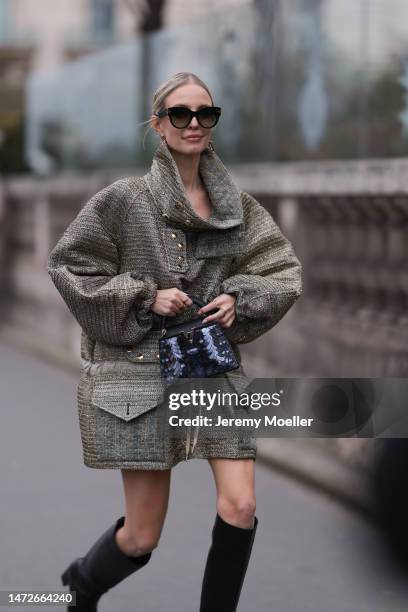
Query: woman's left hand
(225, 315)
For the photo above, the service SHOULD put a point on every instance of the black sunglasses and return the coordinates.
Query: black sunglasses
(181, 116)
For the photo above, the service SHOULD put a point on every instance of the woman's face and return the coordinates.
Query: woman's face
(193, 96)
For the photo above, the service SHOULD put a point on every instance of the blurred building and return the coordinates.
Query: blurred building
(178, 12)
(41, 36)
(67, 29)
(64, 29)
(38, 37)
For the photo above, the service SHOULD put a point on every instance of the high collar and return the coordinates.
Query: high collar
(170, 195)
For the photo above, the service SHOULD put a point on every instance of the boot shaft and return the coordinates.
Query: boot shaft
(226, 566)
(103, 566)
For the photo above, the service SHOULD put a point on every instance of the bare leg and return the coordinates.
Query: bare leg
(146, 501)
(235, 483)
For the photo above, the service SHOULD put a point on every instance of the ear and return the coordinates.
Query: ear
(155, 122)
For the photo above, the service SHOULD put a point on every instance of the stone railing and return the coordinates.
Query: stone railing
(348, 222)
(35, 215)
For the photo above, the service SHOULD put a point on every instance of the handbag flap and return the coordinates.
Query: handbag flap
(178, 328)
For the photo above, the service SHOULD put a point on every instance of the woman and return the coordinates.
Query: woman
(136, 252)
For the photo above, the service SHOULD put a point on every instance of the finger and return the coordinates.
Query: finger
(169, 313)
(188, 301)
(173, 309)
(177, 304)
(210, 306)
(222, 317)
(228, 322)
(184, 301)
(228, 318)
(182, 307)
(215, 317)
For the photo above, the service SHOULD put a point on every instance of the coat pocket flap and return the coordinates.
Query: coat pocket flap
(127, 398)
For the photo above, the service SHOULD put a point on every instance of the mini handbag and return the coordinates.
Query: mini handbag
(194, 349)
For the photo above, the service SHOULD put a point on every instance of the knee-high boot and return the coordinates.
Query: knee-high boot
(226, 566)
(104, 566)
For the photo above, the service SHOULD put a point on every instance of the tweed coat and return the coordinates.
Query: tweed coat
(141, 234)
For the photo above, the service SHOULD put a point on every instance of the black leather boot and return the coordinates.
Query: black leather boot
(226, 566)
(104, 566)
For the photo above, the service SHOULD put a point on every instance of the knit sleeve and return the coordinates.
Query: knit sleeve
(110, 307)
(266, 280)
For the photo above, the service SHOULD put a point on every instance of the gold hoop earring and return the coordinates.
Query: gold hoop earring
(163, 139)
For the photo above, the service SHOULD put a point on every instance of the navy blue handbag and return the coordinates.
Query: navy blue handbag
(194, 349)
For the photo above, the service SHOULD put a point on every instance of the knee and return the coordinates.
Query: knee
(238, 511)
(136, 544)
(137, 548)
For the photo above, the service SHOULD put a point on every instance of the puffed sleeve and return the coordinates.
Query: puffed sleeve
(266, 280)
(84, 266)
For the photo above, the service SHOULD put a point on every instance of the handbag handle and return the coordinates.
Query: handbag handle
(163, 318)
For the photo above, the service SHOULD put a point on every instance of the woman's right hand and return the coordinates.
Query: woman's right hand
(170, 302)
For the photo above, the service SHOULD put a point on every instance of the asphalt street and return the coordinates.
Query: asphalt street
(310, 554)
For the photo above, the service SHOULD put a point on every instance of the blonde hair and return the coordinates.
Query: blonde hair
(161, 93)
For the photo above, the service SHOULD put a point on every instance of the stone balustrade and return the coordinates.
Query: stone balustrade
(348, 222)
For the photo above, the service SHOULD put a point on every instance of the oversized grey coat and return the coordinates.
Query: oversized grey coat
(135, 236)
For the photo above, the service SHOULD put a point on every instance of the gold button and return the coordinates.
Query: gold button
(174, 235)
(140, 356)
(180, 246)
(178, 205)
(180, 258)
(188, 221)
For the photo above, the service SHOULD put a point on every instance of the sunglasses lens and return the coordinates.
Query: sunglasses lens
(207, 117)
(180, 117)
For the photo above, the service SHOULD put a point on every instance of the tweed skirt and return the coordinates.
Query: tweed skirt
(147, 441)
